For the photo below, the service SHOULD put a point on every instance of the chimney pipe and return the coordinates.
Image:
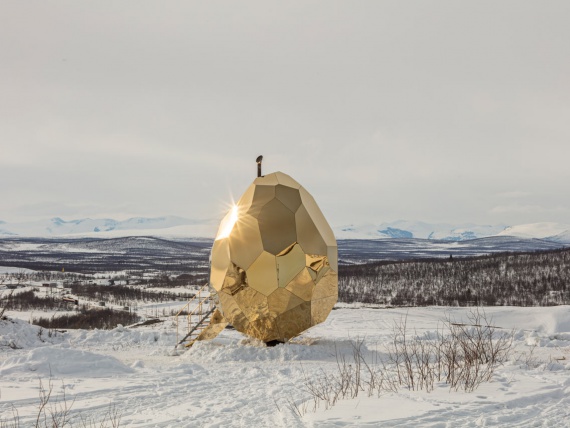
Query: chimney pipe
(258, 160)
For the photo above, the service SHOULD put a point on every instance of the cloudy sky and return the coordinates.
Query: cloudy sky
(440, 111)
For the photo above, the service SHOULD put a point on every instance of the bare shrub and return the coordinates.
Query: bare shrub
(516, 279)
(13, 421)
(528, 359)
(124, 295)
(482, 349)
(460, 355)
(354, 374)
(111, 419)
(4, 303)
(58, 413)
(89, 319)
(27, 300)
(54, 411)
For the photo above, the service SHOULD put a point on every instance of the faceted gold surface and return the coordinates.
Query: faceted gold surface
(262, 274)
(274, 263)
(246, 244)
(289, 264)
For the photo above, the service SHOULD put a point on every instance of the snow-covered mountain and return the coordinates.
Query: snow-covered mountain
(164, 226)
(556, 232)
(172, 226)
(417, 229)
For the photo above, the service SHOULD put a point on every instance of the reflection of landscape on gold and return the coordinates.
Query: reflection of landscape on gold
(274, 262)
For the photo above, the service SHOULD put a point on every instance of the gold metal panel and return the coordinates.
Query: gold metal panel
(332, 255)
(241, 323)
(302, 285)
(321, 308)
(261, 196)
(265, 325)
(317, 265)
(262, 274)
(288, 196)
(317, 217)
(327, 286)
(323, 271)
(294, 321)
(220, 261)
(287, 250)
(229, 308)
(245, 241)
(277, 227)
(281, 301)
(235, 280)
(252, 303)
(286, 180)
(290, 264)
(315, 262)
(308, 235)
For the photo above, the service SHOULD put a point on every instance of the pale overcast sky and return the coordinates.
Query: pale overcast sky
(441, 111)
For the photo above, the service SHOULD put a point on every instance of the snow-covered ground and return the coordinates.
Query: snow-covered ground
(236, 381)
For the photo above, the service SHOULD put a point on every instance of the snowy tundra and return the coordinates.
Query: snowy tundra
(133, 377)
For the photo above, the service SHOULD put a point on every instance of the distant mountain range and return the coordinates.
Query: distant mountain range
(419, 230)
(168, 226)
(555, 232)
(172, 227)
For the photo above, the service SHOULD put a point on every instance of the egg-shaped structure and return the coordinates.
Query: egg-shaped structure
(274, 263)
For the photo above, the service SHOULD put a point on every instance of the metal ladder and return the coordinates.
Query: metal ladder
(197, 319)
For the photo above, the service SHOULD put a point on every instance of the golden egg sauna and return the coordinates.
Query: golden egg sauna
(274, 263)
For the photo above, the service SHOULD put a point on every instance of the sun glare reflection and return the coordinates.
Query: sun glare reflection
(228, 223)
